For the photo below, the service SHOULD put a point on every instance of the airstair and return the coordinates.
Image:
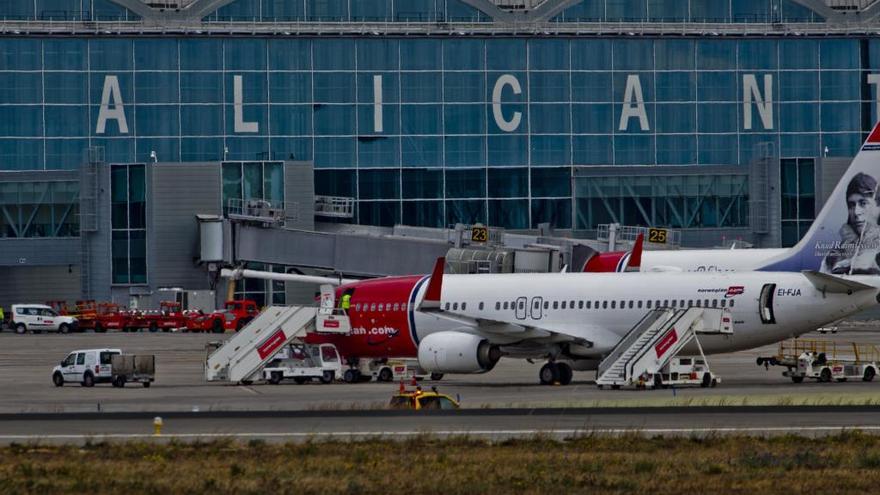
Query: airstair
(649, 346)
(242, 357)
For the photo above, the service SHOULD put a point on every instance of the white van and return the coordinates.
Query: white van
(39, 317)
(86, 367)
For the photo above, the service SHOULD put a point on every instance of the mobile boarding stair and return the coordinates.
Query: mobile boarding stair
(242, 358)
(651, 344)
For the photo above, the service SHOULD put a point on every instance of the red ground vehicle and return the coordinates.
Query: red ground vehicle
(235, 315)
(169, 316)
(92, 315)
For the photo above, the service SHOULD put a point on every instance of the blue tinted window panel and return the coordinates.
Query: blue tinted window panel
(381, 213)
(465, 151)
(156, 87)
(245, 54)
(714, 55)
(458, 11)
(421, 87)
(717, 86)
(799, 144)
(20, 54)
(555, 211)
(717, 149)
(116, 149)
(17, 11)
(758, 55)
(24, 120)
(843, 144)
(290, 87)
(155, 54)
(583, 12)
(674, 54)
(379, 184)
(198, 149)
(167, 149)
(201, 87)
(366, 87)
(798, 54)
(66, 87)
(667, 11)
(465, 119)
(676, 86)
(634, 150)
(592, 87)
(464, 86)
(423, 213)
(253, 87)
(841, 117)
(676, 118)
(201, 120)
(290, 54)
(466, 183)
(421, 54)
(550, 118)
(249, 113)
(335, 120)
(463, 55)
(590, 54)
(201, 54)
(422, 184)
(719, 117)
(841, 85)
(633, 55)
(754, 146)
(21, 87)
(368, 126)
(467, 212)
(335, 152)
(247, 148)
(327, 10)
(507, 150)
(793, 12)
(21, 154)
(551, 182)
(676, 150)
(290, 148)
(799, 86)
(592, 150)
(550, 150)
(65, 154)
(633, 123)
(549, 54)
(377, 54)
(378, 151)
(643, 80)
(840, 53)
(291, 120)
(592, 119)
(111, 54)
(626, 10)
(549, 86)
(509, 214)
(421, 119)
(126, 88)
(506, 55)
(336, 183)
(332, 55)
(798, 117)
(421, 151)
(106, 11)
(508, 182)
(283, 10)
(371, 10)
(755, 11)
(240, 10)
(334, 87)
(67, 121)
(65, 54)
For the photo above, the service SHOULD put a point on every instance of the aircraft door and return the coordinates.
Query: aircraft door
(765, 304)
(537, 310)
(521, 309)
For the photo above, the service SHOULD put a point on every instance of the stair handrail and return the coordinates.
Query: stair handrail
(649, 344)
(630, 338)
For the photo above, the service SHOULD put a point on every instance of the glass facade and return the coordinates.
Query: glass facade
(64, 10)
(348, 11)
(697, 11)
(253, 180)
(797, 177)
(128, 218)
(39, 209)
(436, 130)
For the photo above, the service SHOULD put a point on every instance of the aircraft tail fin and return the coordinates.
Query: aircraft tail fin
(617, 261)
(435, 286)
(845, 237)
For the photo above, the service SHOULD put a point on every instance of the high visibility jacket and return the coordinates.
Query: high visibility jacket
(346, 301)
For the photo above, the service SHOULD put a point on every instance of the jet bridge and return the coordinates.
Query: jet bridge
(649, 346)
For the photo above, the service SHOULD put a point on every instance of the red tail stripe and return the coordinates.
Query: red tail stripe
(435, 285)
(874, 137)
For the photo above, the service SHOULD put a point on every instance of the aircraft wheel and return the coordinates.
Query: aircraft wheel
(565, 373)
(549, 374)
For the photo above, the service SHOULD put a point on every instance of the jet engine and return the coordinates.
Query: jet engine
(457, 352)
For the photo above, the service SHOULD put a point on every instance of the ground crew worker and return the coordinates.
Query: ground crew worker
(2, 316)
(346, 302)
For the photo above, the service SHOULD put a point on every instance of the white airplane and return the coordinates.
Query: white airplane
(575, 319)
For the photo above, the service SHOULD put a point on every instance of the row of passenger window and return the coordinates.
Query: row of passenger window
(624, 304)
(373, 307)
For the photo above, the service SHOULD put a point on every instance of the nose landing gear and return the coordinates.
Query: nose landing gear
(555, 373)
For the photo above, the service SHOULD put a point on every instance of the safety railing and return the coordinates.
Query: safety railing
(334, 206)
(261, 211)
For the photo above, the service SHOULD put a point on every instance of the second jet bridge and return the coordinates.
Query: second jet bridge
(656, 339)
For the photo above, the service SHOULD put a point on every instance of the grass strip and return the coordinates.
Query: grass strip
(844, 463)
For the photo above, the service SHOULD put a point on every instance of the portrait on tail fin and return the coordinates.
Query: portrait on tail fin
(859, 245)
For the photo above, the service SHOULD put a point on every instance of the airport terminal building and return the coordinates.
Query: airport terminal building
(122, 119)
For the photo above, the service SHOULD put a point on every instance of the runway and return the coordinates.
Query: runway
(482, 423)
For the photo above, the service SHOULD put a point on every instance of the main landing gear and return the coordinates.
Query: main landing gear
(554, 373)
